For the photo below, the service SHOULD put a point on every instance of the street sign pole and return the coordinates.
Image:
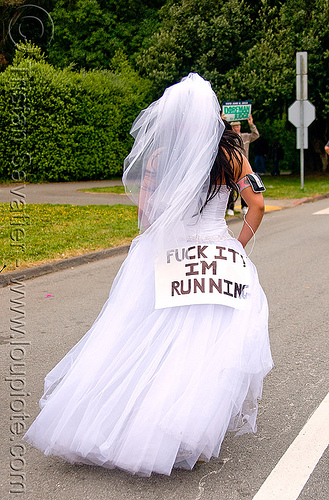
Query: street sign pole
(302, 112)
(301, 168)
(300, 76)
(301, 70)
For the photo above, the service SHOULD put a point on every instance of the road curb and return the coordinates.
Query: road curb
(311, 199)
(58, 265)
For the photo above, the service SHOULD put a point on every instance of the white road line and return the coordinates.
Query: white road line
(291, 473)
(325, 211)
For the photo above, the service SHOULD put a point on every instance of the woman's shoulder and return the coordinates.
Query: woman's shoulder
(245, 169)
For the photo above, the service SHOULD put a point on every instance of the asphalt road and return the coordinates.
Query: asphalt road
(291, 254)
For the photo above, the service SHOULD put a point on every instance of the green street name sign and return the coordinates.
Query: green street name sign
(237, 110)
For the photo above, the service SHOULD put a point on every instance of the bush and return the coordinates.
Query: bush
(63, 125)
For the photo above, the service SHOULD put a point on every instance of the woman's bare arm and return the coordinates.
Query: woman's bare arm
(256, 208)
(148, 186)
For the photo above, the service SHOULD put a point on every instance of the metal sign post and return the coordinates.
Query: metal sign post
(302, 112)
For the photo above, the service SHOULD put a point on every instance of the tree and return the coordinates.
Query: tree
(205, 36)
(89, 32)
(245, 49)
(267, 73)
(248, 57)
(22, 21)
(7, 11)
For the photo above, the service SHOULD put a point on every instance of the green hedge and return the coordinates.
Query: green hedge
(77, 123)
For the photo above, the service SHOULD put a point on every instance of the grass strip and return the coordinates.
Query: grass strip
(55, 232)
(106, 189)
(284, 186)
(288, 186)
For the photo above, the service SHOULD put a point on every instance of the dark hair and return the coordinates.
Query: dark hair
(228, 163)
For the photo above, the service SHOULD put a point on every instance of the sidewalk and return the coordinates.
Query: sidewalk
(68, 193)
(65, 193)
(272, 204)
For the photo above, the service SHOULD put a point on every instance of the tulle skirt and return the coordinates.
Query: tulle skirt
(150, 389)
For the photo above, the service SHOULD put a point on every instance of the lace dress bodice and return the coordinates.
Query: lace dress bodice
(211, 225)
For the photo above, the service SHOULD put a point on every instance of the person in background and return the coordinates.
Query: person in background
(277, 155)
(247, 138)
(326, 148)
(261, 150)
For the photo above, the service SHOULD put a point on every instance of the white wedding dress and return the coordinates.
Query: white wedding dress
(150, 389)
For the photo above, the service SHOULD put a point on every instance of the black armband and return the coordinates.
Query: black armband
(254, 181)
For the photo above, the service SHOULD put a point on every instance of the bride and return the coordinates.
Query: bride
(178, 354)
